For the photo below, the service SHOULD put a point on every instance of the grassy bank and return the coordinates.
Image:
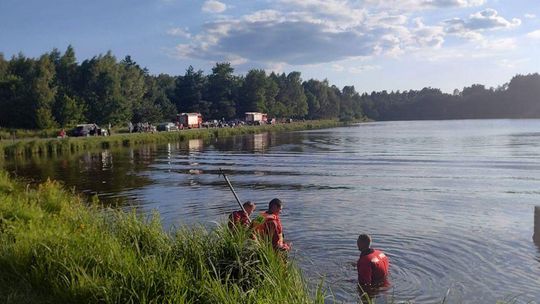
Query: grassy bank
(15, 134)
(55, 249)
(53, 146)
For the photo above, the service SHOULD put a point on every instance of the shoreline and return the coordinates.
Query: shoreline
(53, 146)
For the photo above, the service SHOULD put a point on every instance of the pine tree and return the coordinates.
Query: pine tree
(220, 92)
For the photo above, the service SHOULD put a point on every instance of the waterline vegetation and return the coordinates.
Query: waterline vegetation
(54, 146)
(56, 249)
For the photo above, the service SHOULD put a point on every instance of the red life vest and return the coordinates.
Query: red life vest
(372, 268)
(269, 225)
(238, 218)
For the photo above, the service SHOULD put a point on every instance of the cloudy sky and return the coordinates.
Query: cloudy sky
(371, 44)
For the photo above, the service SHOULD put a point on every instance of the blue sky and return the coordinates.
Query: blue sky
(371, 44)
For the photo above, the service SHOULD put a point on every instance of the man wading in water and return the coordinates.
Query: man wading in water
(241, 218)
(372, 266)
(268, 224)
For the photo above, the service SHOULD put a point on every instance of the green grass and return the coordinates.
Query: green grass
(55, 248)
(53, 146)
(14, 134)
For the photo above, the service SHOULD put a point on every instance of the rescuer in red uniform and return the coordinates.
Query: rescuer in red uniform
(372, 266)
(268, 224)
(240, 217)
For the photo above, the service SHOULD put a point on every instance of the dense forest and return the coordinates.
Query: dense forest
(56, 90)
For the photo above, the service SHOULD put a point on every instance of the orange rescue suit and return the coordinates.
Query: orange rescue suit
(269, 225)
(238, 218)
(372, 267)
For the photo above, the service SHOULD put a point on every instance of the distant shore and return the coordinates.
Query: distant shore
(53, 146)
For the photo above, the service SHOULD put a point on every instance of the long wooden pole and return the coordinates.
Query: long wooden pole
(234, 192)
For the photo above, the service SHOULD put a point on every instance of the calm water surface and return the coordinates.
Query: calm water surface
(450, 202)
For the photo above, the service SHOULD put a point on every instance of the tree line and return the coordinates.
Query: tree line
(56, 90)
(519, 98)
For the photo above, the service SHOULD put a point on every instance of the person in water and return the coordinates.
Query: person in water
(241, 218)
(268, 224)
(372, 266)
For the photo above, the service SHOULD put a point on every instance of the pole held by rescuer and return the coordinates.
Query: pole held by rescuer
(234, 192)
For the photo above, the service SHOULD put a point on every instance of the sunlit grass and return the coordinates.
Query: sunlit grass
(56, 249)
(14, 134)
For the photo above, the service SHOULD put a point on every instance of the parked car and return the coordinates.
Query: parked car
(210, 124)
(144, 127)
(89, 130)
(167, 127)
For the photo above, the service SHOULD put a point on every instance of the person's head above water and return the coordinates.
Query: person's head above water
(275, 206)
(249, 207)
(363, 242)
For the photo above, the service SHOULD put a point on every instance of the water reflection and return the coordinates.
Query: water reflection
(102, 172)
(257, 143)
(195, 145)
(260, 142)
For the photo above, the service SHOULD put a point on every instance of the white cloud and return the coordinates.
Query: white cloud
(213, 6)
(328, 7)
(236, 60)
(512, 63)
(534, 34)
(454, 3)
(503, 44)
(481, 48)
(385, 18)
(472, 27)
(291, 41)
(427, 36)
(441, 55)
(488, 19)
(338, 67)
(311, 32)
(424, 4)
(276, 67)
(263, 16)
(179, 32)
(183, 51)
(363, 68)
(323, 31)
(530, 16)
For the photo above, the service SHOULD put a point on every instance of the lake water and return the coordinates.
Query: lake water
(450, 202)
